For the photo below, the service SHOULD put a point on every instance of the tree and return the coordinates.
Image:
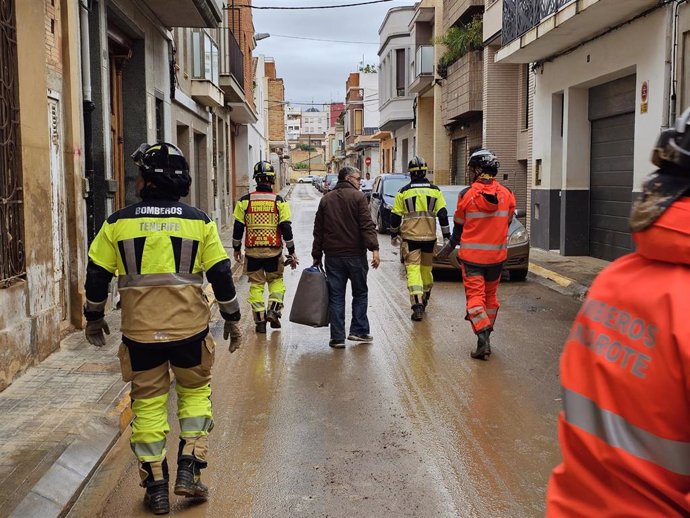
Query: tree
(368, 69)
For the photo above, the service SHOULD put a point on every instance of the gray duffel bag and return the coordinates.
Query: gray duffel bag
(310, 305)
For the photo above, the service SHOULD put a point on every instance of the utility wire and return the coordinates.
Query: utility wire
(301, 8)
(320, 39)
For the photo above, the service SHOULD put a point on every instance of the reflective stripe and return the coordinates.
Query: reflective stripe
(95, 306)
(459, 221)
(410, 204)
(430, 203)
(258, 306)
(229, 306)
(475, 309)
(148, 449)
(275, 296)
(445, 229)
(236, 243)
(130, 256)
(159, 279)
(290, 244)
(186, 255)
(492, 311)
(415, 289)
(613, 429)
(476, 320)
(471, 215)
(482, 246)
(195, 424)
(262, 197)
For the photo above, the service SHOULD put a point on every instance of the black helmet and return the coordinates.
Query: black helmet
(417, 166)
(672, 155)
(673, 145)
(484, 160)
(264, 170)
(165, 166)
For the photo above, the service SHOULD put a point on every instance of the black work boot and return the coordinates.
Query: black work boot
(483, 346)
(188, 481)
(156, 497)
(260, 327)
(425, 299)
(417, 312)
(273, 315)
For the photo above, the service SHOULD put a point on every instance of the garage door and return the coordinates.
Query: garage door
(611, 112)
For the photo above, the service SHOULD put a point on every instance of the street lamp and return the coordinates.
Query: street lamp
(261, 36)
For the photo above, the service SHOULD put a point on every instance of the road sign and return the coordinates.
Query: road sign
(367, 160)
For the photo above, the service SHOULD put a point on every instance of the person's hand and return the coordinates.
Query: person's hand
(396, 241)
(238, 256)
(448, 247)
(292, 260)
(376, 259)
(94, 332)
(317, 263)
(232, 330)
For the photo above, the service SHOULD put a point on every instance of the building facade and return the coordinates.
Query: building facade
(601, 95)
(314, 122)
(396, 101)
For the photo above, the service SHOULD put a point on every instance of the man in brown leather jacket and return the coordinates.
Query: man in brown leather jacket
(344, 231)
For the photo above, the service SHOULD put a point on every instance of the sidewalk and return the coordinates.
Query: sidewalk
(568, 275)
(62, 416)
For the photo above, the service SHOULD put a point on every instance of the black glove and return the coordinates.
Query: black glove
(232, 330)
(94, 332)
(448, 247)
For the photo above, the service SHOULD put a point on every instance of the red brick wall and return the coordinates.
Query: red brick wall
(276, 110)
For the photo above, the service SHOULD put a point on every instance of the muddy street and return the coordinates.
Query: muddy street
(406, 426)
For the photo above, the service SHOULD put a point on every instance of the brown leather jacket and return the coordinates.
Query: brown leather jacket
(343, 226)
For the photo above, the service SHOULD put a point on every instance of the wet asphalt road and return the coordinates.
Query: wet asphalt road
(406, 426)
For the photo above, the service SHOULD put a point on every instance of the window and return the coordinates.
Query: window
(359, 122)
(525, 96)
(400, 72)
(204, 57)
(160, 127)
(12, 265)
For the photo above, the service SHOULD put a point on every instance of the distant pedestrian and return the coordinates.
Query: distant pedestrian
(160, 249)
(266, 218)
(344, 231)
(625, 368)
(482, 216)
(413, 218)
(367, 184)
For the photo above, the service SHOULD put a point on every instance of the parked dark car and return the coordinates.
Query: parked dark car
(518, 239)
(329, 182)
(383, 194)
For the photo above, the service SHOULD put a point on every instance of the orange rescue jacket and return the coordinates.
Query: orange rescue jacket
(625, 372)
(484, 210)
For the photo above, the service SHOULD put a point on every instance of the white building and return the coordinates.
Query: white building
(257, 137)
(396, 110)
(604, 76)
(293, 122)
(314, 122)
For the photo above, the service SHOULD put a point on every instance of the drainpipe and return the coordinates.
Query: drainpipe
(89, 106)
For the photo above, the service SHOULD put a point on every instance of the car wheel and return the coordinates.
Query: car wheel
(379, 224)
(518, 275)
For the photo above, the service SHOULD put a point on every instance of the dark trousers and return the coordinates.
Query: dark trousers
(338, 271)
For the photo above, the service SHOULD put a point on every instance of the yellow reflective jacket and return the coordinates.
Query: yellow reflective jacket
(159, 249)
(418, 204)
(265, 217)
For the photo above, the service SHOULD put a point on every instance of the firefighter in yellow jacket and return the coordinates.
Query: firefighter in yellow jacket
(160, 248)
(266, 218)
(414, 214)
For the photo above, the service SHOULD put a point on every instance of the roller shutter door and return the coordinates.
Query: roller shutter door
(612, 114)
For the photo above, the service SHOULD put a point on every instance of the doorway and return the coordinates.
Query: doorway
(119, 52)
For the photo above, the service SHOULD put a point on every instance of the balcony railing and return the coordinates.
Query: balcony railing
(231, 56)
(519, 16)
(424, 61)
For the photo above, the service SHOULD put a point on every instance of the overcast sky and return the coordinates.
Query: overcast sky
(317, 69)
